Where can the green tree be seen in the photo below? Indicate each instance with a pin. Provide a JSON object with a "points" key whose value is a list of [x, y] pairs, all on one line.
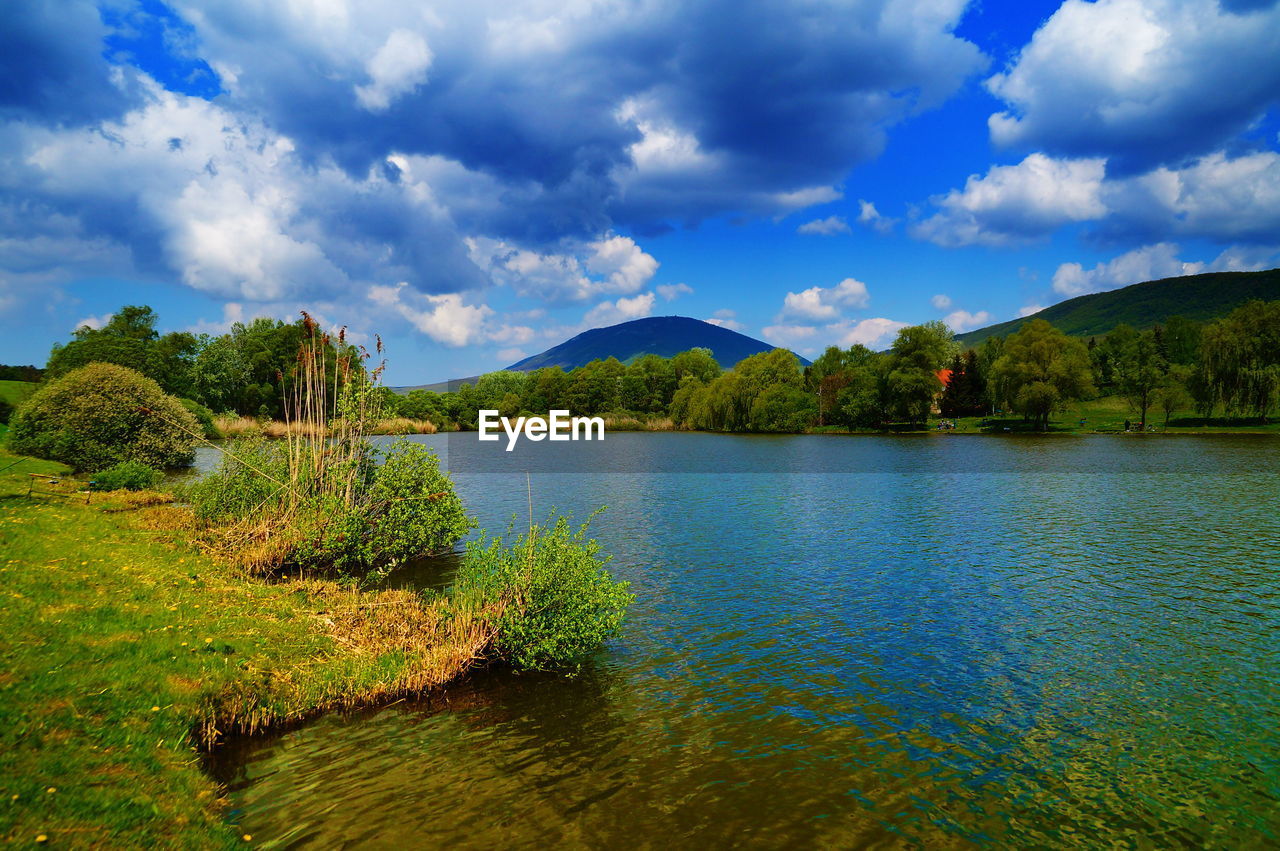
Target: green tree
{"points": [[1139, 371], [96, 416], [697, 362], [918, 354], [1042, 369], [1172, 394], [1240, 361]]}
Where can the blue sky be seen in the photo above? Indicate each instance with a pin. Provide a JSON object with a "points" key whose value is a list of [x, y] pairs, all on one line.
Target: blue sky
{"points": [[476, 182]]}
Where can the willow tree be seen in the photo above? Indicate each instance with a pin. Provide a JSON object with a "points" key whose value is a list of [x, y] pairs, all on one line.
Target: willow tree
{"points": [[1240, 361], [1040, 370]]}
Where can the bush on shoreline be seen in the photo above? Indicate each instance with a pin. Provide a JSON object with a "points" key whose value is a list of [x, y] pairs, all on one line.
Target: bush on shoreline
{"points": [[102, 414], [555, 599]]}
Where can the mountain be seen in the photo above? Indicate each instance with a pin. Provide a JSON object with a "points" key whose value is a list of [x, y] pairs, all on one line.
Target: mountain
{"points": [[1199, 297], [656, 335]]}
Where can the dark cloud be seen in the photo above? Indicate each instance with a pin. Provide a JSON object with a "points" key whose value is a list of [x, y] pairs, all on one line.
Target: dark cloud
{"points": [[51, 65]]}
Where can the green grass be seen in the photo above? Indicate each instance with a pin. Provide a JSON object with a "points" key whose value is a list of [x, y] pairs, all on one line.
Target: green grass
{"points": [[14, 392], [124, 650]]}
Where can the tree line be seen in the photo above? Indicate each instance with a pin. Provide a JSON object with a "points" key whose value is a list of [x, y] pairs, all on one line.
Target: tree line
{"points": [[1230, 367]]}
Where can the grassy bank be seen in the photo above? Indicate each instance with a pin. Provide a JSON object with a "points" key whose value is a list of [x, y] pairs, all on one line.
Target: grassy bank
{"points": [[230, 426], [125, 650]]}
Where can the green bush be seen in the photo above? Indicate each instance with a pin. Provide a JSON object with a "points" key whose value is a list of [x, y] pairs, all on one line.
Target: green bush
{"points": [[204, 417], [6, 411], [101, 414], [400, 509], [556, 599], [126, 476]]}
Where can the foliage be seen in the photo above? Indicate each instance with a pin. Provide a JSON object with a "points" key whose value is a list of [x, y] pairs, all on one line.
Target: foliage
{"points": [[204, 417], [319, 499], [1139, 371], [1040, 370], [130, 339], [557, 602], [102, 414], [28, 373], [1240, 362], [966, 391], [127, 476]]}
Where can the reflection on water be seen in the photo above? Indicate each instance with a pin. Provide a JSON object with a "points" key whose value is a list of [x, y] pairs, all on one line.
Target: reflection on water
{"points": [[942, 656]]}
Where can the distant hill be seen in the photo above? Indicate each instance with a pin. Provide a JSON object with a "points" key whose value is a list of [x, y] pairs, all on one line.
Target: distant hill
{"points": [[657, 335], [1199, 297]]}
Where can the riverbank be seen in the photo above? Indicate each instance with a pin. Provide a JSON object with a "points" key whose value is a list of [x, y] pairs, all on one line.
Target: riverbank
{"points": [[126, 652]]}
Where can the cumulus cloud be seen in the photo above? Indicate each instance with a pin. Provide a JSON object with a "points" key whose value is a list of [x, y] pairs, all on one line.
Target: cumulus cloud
{"points": [[619, 266], [1029, 310], [726, 318], [826, 302], [960, 321], [94, 322], [1217, 197], [622, 310], [445, 318], [1142, 82], [671, 127], [398, 68], [1152, 262], [671, 292], [1016, 203], [941, 301], [875, 333], [868, 215], [830, 226], [789, 336]]}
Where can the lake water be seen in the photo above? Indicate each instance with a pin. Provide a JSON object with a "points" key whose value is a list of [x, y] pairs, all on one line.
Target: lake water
{"points": [[936, 640]]}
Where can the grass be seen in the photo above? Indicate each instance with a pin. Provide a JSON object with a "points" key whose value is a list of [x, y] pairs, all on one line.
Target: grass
{"points": [[233, 426], [125, 652], [14, 392]]}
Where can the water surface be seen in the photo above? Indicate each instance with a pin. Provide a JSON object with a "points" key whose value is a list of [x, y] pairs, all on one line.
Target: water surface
{"points": [[917, 646]]}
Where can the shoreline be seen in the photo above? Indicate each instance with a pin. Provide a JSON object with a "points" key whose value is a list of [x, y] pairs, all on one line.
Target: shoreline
{"points": [[131, 655]]}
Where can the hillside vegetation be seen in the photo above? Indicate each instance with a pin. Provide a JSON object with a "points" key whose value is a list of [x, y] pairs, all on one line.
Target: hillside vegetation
{"points": [[1145, 305]]}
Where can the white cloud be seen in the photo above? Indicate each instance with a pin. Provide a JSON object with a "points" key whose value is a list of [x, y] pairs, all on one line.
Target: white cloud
{"points": [[1143, 81], [444, 318], [941, 301], [620, 266], [671, 292], [399, 67], [960, 321], [868, 215], [94, 322], [874, 333], [826, 303], [1016, 203], [512, 355], [829, 226], [1217, 197], [1153, 262], [622, 310], [788, 336], [1141, 264], [726, 318], [1029, 310]]}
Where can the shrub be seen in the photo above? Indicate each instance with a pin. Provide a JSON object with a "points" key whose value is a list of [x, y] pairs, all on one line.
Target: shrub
{"points": [[101, 414], [403, 508], [6, 411], [126, 476], [204, 417], [557, 601]]}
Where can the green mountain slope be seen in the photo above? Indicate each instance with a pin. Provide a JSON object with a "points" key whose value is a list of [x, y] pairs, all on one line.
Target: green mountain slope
{"points": [[1199, 297]]}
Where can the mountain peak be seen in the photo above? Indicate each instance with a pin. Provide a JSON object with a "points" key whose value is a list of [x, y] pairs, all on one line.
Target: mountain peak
{"points": [[653, 335]]}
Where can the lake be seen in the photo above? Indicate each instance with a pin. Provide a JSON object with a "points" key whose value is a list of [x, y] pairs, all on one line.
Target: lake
{"points": [[846, 641]]}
